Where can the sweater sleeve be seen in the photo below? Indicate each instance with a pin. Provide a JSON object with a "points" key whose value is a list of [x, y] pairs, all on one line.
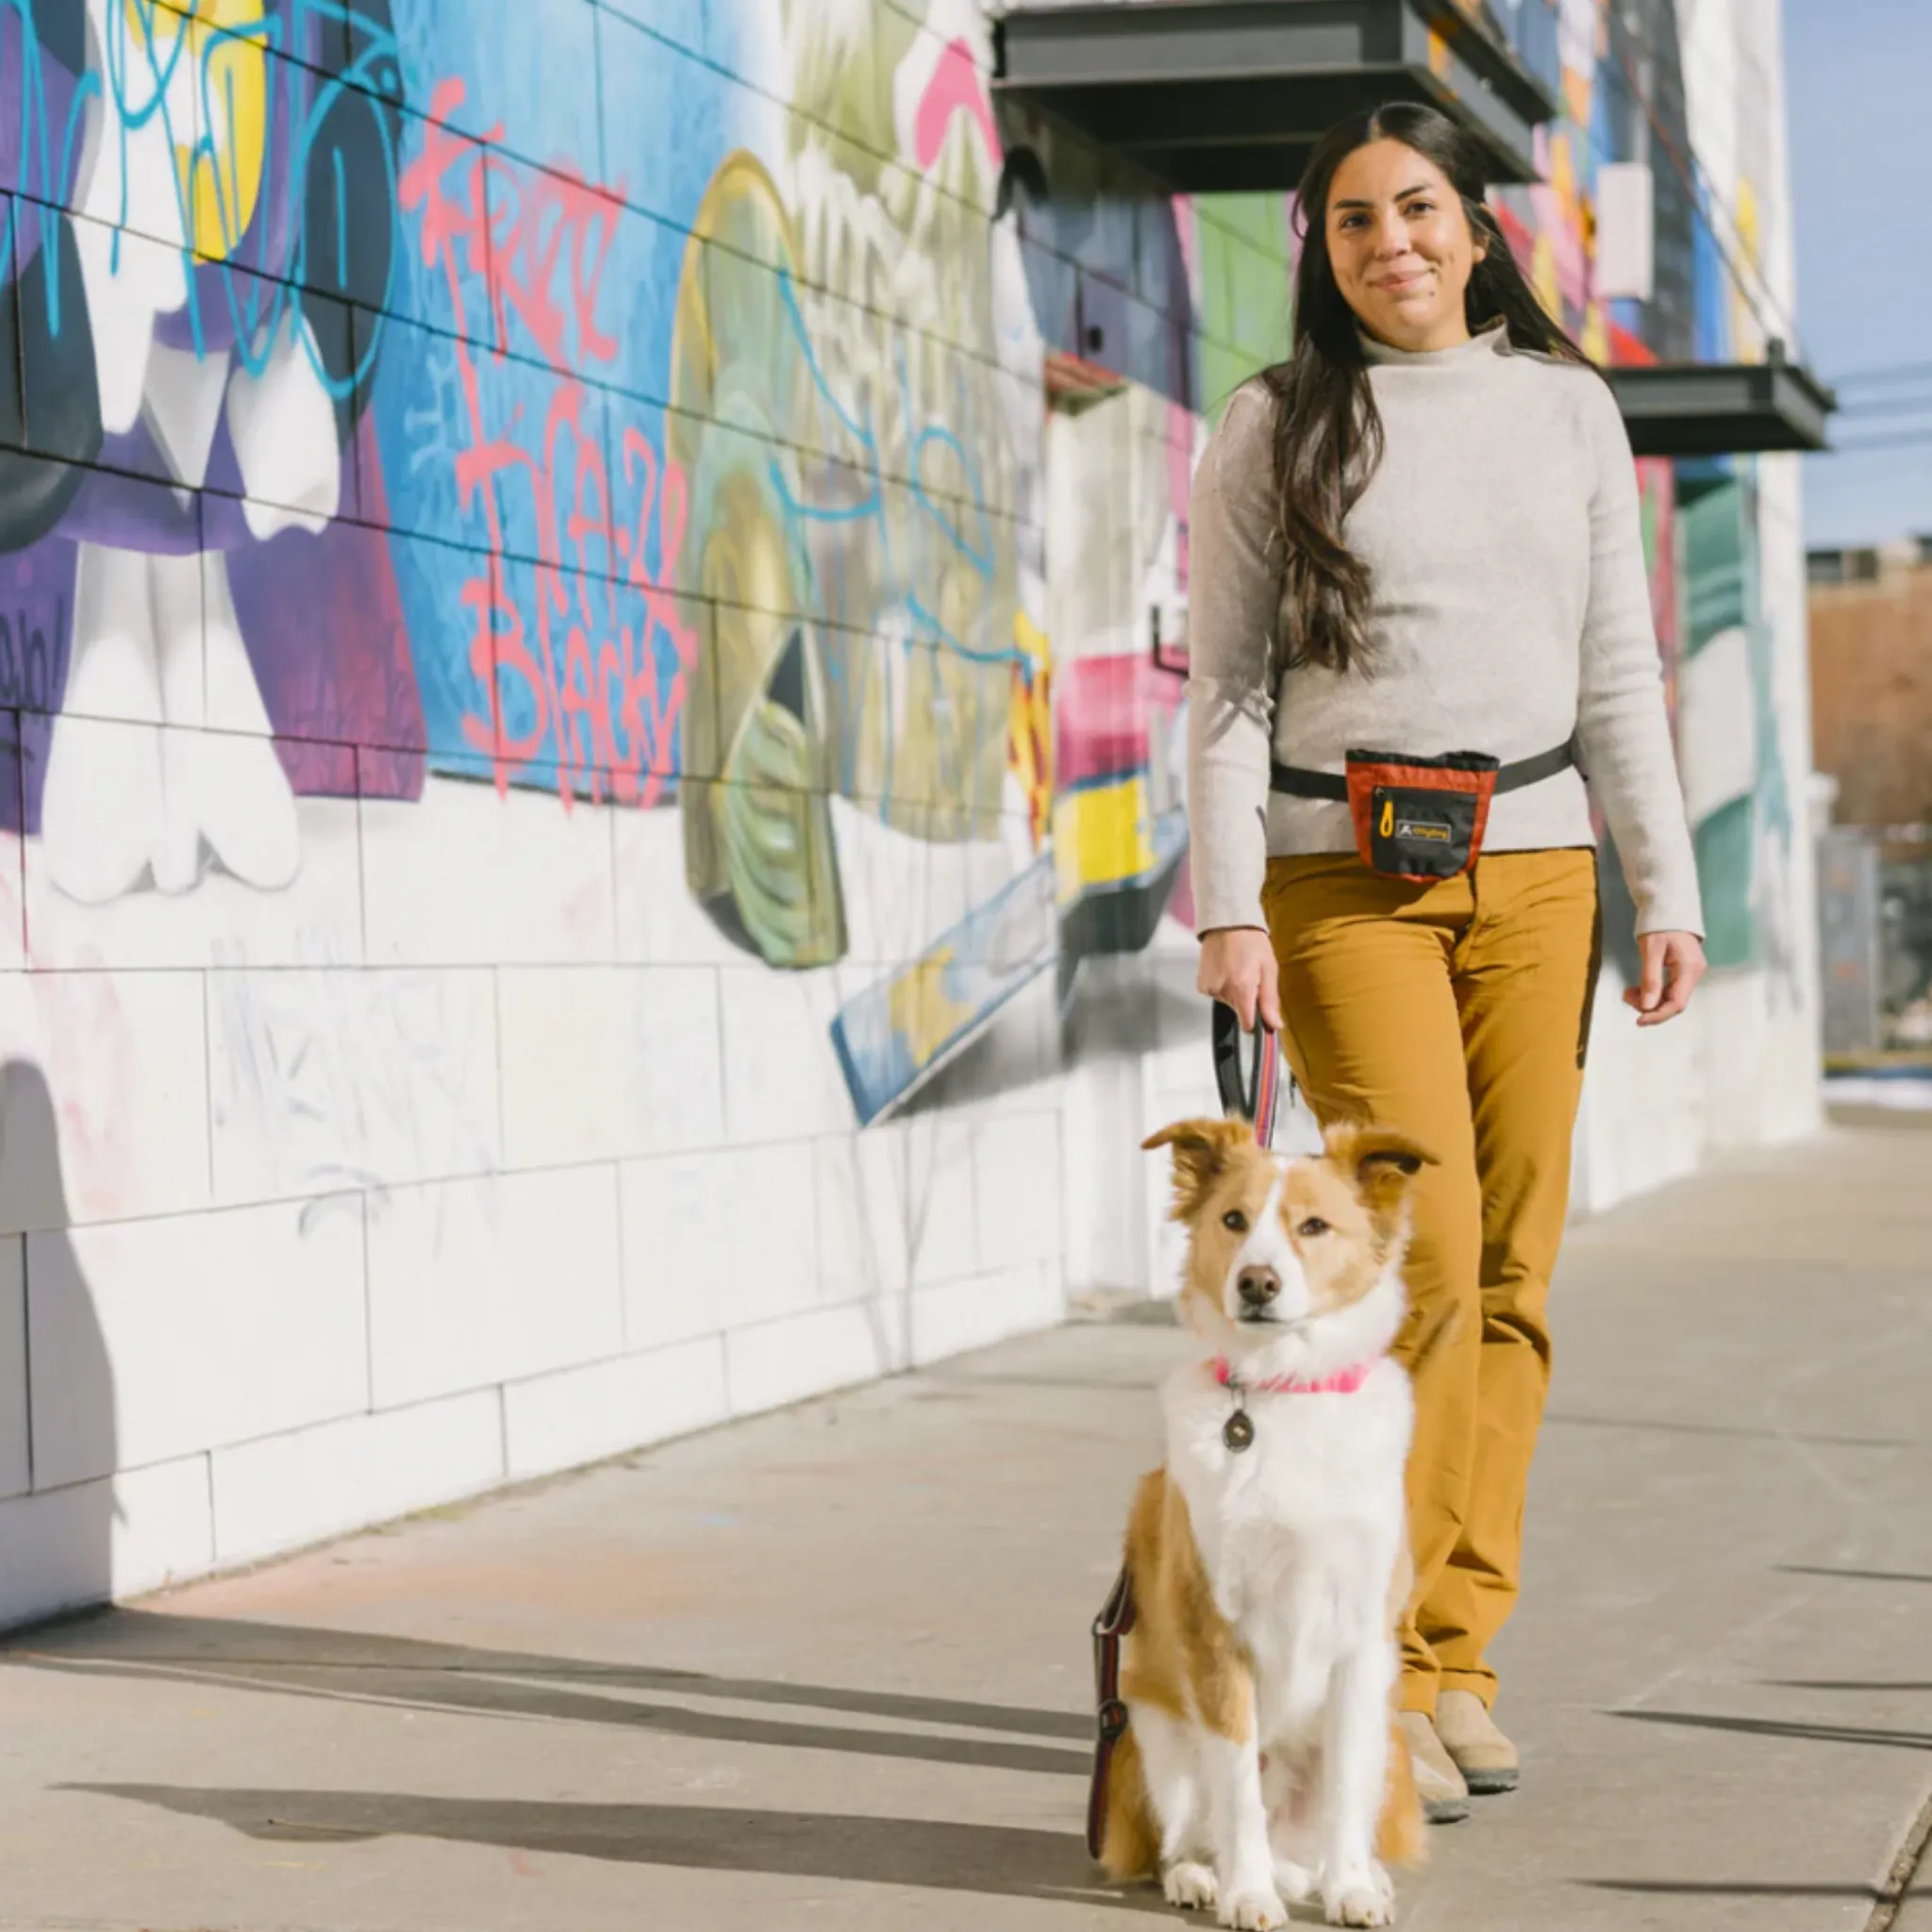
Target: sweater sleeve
{"points": [[1233, 595], [1622, 722]]}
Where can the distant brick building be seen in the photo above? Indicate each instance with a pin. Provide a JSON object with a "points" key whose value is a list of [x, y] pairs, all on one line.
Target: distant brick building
{"points": [[1872, 680]]}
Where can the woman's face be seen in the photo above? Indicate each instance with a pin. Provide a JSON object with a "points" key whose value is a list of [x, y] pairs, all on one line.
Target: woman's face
{"points": [[1401, 246]]}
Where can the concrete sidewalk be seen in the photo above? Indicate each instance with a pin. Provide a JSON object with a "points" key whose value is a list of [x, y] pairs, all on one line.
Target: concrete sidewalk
{"points": [[830, 1667]]}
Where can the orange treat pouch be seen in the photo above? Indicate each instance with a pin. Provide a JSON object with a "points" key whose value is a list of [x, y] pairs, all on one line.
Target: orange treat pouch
{"points": [[1419, 819]]}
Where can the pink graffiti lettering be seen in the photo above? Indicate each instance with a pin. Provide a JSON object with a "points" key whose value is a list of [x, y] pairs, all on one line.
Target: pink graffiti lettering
{"points": [[581, 657]]}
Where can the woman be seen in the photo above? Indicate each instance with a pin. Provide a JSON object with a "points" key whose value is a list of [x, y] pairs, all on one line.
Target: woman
{"points": [[1421, 535]]}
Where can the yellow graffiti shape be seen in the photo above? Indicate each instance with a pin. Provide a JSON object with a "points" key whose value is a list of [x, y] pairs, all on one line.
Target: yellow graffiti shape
{"points": [[922, 1009], [1029, 725], [1102, 835], [1745, 215], [1743, 316], [1595, 337], [1544, 278], [221, 46], [1563, 177]]}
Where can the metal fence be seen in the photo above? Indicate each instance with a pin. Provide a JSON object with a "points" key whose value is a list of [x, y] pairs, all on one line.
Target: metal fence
{"points": [[1874, 917]]}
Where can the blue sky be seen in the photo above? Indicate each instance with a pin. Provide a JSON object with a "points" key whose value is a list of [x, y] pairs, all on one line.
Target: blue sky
{"points": [[1859, 82]]}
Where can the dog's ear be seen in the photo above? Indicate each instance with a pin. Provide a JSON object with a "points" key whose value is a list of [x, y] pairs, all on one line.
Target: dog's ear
{"points": [[1381, 1162], [1202, 1150]]}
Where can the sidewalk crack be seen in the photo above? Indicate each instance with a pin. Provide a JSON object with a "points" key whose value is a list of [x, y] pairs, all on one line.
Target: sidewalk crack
{"points": [[1903, 1869]]}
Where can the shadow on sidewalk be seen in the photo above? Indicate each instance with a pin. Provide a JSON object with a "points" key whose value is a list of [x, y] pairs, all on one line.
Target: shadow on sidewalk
{"points": [[1006, 1861], [1856, 1575], [1781, 1727], [1698, 1888], [396, 1672], [1660, 1426]]}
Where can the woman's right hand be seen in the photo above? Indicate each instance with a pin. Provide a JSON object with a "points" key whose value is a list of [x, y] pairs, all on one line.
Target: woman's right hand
{"points": [[1238, 968]]}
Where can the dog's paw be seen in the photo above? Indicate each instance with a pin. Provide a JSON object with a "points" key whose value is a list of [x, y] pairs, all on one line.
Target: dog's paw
{"points": [[1254, 1911], [1294, 1881], [1363, 1897], [1190, 1885]]}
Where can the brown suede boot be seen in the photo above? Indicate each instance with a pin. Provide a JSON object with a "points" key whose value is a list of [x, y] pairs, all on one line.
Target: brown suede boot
{"points": [[1437, 1783], [1483, 1755]]}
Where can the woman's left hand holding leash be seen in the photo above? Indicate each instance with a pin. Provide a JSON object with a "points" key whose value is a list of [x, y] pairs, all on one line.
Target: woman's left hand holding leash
{"points": [[1673, 964]]}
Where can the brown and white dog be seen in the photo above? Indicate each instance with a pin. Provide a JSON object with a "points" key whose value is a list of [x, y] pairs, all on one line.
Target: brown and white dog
{"points": [[1268, 1558]]}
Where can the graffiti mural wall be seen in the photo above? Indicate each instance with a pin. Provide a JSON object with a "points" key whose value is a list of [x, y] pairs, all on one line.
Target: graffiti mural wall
{"points": [[592, 595]]}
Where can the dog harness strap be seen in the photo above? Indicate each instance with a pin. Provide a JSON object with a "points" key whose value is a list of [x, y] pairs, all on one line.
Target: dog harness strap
{"points": [[1332, 787], [1115, 1620], [1251, 1099]]}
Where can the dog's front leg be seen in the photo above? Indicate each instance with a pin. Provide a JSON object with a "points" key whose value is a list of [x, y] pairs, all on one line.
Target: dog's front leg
{"points": [[1356, 1890], [1231, 1768]]}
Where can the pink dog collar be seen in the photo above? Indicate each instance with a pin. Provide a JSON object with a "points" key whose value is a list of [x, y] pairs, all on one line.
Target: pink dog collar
{"points": [[1342, 1382]]}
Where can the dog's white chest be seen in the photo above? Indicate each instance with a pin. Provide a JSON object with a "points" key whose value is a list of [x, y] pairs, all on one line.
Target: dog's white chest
{"points": [[1299, 1533]]}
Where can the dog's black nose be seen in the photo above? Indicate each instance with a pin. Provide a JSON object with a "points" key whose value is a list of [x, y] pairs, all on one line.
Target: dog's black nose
{"points": [[1258, 1285]]}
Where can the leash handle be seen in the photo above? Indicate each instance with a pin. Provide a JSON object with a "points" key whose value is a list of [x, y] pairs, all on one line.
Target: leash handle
{"points": [[1116, 1618], [1252, 1099]]}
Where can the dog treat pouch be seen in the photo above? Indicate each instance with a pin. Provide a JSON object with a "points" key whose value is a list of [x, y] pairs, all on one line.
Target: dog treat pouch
{"points": [[1420, 818]]}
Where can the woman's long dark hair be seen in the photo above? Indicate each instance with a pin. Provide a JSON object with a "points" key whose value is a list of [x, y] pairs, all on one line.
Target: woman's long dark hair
{"points": [[1328, 433]]}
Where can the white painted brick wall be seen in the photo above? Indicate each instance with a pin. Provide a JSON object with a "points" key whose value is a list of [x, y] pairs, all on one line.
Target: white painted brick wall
{"points": [[76, 1545], [1019, 1218], [465, 877], [477, 1282], [303, 1485], [864, 1213], [656, 926], [12, 872], [718, 1240], [317, 921], [942, 1228], [771, 1363], [601, 1062], [955, 1316], [781, 1074], [577, 1416], [154, 1338], [325, 1080], [124, 1053]]}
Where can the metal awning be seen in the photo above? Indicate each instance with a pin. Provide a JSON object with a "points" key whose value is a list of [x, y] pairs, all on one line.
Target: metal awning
{"points": [[1722, 408], [1229, 96]]}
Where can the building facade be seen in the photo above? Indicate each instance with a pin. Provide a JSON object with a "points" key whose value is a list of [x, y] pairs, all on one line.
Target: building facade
{"points": [[594, 826], [1872, 703], [1871, 622]]}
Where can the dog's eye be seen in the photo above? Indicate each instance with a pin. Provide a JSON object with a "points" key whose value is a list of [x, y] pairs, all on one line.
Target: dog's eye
{"points": [[1235, 1220], [1313, 1225]]}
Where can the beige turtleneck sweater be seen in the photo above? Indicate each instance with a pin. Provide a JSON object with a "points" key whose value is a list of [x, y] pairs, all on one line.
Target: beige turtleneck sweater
{"points": [[1511, 606]]}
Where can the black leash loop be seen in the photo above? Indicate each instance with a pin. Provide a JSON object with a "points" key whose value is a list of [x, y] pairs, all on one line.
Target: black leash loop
{"points": [[1252, 1099]]}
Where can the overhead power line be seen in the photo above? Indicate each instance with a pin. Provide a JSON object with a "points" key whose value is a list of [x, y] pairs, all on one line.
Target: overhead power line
{"points": [[1910, 438], [1896, 372], [1890, 405]]}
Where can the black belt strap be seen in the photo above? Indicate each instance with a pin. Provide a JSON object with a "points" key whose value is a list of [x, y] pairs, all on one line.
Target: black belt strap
{"points": [[1332, 786]]}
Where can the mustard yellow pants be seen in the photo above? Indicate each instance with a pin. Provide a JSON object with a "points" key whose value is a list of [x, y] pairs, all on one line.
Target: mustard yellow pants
{"points": [[1456, 1011]]}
